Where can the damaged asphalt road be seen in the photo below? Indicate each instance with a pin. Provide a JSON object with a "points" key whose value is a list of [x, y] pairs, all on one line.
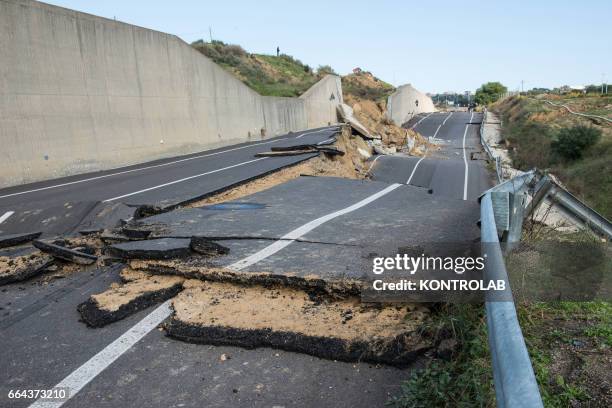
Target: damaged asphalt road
{"points": [[443, 170], [60, 205], [310, 228]]}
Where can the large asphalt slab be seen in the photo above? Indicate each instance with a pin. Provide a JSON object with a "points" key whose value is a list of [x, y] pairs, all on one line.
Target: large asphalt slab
{"points": [[269, 214], [406, 217], [162, 184]]}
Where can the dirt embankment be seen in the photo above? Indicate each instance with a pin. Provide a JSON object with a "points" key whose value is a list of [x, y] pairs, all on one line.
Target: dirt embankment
{"points": [[350, 165], [367, 95]]}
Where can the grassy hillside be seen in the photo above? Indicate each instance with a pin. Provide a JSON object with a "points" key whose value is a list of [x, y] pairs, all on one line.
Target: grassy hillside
{"points": [[535, 130], [267, 74], [364, 85]]}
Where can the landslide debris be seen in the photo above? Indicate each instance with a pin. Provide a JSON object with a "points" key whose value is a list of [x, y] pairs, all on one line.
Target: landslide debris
{"points": [[352, 164], [221, 313], [367, 96]]}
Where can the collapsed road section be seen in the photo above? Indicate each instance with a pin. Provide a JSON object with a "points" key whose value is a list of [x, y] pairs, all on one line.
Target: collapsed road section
{"points": [[274, 263]]}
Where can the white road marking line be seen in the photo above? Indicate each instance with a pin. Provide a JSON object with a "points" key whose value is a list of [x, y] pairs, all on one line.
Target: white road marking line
{"points": [[440, 125], [79, 378], [183, 179], [153, 166], [288, 238], [312, 133], [422, 119], [373, 161], [6, 215], [465, 180], [449, 115], [436, 132], [414, 169]]}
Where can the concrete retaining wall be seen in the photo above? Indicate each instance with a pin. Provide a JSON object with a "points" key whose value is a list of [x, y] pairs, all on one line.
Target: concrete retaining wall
{"points": [[80, 93], [402, 104]]}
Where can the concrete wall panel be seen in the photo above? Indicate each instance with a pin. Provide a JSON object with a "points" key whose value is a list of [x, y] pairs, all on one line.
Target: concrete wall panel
{"points": [[82, 93], [402, 104]]}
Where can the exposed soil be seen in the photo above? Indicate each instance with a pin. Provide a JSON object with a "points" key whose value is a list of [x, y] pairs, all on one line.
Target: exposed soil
{"points": [[198, 268], [352, 165], [15, 269], [578, 360], [282, 317], [367, 95], [120, 294], [122, 300]]}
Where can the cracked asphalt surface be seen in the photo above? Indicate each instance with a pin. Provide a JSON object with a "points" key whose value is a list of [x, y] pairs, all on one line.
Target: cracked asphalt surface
{"points": [[42, 340], [163, 183]]}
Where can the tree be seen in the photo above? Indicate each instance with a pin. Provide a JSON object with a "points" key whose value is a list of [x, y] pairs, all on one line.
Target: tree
{"points": [[489, 93]]}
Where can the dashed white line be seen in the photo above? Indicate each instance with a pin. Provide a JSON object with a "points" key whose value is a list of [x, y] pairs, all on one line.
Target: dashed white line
{"points": [[5, 216], [183, 179], [95, 365], [156, 165], [312, 133], [414, 170], [422, 119], [79, 378], [373, 161], [440, 125], [449, 115], [465, 180]]}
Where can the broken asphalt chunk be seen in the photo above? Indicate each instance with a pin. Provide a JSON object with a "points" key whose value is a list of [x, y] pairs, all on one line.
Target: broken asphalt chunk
{"points": [[161, 248], [124, 300], [15, 269], [204, 246], [67, 254], [17, 239]]}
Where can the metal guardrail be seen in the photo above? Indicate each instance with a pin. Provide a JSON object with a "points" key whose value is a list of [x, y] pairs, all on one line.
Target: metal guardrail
{"points": [[515, 382], [502, 212], [496, 159], [572, 206]]}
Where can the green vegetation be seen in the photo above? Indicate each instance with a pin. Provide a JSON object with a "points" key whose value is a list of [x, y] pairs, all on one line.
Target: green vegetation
{"points": [[489, 93], [364, 85], [571, 143], [576, 149], [569, 344], [463, 380], [270, 75]]}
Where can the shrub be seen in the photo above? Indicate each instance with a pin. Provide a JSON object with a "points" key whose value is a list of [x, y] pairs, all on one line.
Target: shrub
{"points": [[571, 143], [325, 70], [530, 144]]}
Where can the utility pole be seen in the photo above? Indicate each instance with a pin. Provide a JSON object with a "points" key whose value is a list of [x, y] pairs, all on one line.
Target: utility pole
{"points": [[210, 33], [522, 86]]}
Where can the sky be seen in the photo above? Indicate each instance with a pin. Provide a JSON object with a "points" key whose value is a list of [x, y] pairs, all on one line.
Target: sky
{"points": [[436, 46]]}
